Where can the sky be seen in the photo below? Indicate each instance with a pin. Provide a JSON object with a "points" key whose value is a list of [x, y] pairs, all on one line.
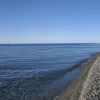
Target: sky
{"points": [[49, 21]]}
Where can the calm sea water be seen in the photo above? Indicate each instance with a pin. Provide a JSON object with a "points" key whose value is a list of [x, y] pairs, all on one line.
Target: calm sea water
{"points": [[47, 64]]}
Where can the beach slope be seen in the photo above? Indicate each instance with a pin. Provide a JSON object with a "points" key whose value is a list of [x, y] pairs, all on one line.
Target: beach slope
{"points": [[87, 86]]}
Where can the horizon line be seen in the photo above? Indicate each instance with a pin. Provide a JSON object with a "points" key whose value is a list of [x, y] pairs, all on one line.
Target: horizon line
{"points": [[53, 43]]}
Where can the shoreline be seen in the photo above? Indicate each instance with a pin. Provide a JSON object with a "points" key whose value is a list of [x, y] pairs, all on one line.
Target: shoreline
{"points": [[73, 91], [25, 87]]}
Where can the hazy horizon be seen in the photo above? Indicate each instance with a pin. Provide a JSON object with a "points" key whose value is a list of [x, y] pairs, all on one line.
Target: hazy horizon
{"points": [[44, 43]]}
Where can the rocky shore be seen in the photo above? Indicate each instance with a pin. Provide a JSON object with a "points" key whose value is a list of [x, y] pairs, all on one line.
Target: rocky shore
{"points": [[87, 86], [91, 87]]}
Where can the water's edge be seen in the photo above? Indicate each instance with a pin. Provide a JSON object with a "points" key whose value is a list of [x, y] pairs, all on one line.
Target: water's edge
{"points": [[23, 88], [72, 92]]}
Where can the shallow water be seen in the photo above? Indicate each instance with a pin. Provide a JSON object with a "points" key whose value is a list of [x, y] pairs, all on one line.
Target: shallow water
{"points": [[40, 71]]}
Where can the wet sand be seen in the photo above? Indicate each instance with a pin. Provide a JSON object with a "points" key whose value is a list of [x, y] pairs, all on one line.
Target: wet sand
{"points": [[80, 88]]}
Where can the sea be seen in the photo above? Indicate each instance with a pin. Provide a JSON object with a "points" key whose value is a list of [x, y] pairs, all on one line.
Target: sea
{"points": [[40, 71]]}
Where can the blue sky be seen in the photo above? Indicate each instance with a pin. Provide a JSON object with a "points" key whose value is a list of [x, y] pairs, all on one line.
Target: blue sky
{"points": [[49, 21]]}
